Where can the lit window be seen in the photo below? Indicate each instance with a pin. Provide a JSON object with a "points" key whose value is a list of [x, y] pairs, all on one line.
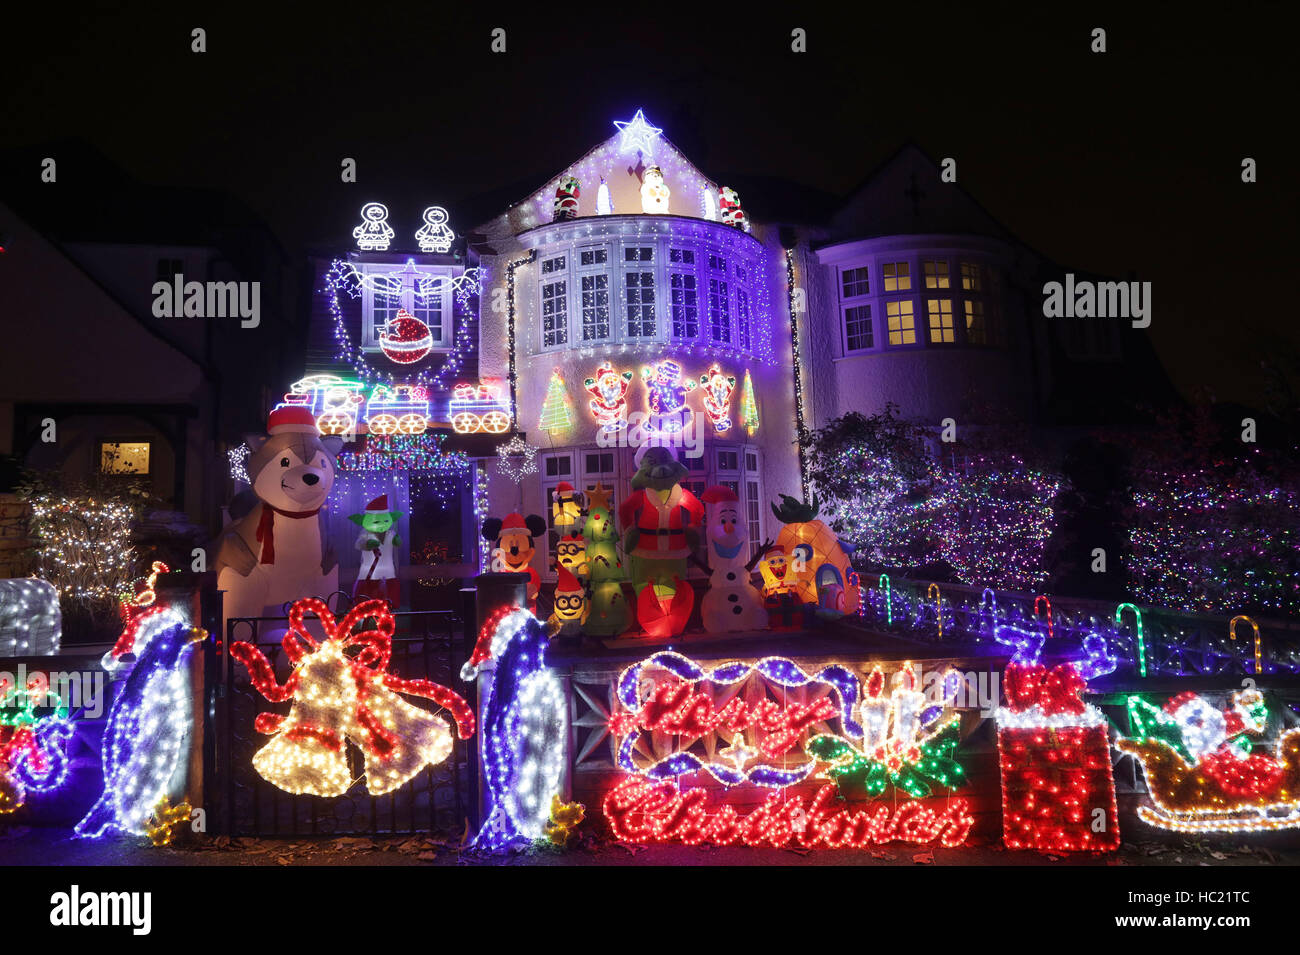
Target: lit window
{"points": [[858, 333], [390, 288], [124, 457], [976, 329], [898, 276], [595, 307], [640, 288], [902, 323], [970, 277], [855, 282], [555, 314], [941, 329], [936, 274], [684, 301]]}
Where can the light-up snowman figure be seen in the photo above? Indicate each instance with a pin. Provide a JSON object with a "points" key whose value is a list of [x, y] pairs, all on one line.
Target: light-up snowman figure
{"points": [[654, 192]]}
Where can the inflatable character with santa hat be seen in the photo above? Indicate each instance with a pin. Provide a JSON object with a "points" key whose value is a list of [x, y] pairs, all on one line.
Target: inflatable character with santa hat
{"points": [[377, 576], [514, 547], [571, 607], [732, 602], [277, 550]]}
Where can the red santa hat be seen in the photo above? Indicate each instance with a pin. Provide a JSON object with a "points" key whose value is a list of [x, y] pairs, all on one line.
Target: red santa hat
{"points": [[565, 582], [564, 487], [514, 522], [718, 494], [291, 419], [378, 506]]}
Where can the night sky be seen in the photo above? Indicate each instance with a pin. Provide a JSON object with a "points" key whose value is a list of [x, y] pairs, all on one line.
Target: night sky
{"points": [[1127, 161]]}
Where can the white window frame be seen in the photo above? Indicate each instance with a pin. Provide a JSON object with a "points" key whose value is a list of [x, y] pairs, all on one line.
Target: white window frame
{"points": [[369, 333], [577, 317]]}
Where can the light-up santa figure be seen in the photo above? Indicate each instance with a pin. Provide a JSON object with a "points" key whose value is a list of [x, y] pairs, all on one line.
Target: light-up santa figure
{"points": [[654, 192]]}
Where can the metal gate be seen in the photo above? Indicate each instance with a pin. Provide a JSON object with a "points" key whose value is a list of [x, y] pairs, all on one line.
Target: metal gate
{"points": [[440, 799]]}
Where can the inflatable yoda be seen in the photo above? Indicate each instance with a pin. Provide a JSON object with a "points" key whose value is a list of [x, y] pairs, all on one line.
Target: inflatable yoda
{"points": [[377, 575]]}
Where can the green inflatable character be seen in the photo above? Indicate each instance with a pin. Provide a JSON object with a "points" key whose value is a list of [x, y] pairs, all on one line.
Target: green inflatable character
{"points": [[662, 521], [610, 611]]}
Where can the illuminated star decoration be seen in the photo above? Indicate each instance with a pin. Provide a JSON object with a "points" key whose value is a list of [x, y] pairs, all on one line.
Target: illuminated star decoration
{"points": [[738, 753], [516, 459], [637, 134], [238, 456], [165, 819]]}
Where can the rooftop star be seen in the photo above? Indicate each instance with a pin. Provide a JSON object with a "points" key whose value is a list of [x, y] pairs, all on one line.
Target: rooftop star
{"points": [[637, 133]]}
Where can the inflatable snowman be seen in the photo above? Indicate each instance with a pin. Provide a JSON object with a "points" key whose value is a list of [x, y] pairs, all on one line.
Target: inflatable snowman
{"points": [[732, 603]]}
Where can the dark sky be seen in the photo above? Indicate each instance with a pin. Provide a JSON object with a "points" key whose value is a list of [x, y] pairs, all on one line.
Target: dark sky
{"points": [[1111, 163]]}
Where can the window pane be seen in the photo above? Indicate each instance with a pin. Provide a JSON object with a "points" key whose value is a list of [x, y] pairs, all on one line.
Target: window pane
{"points": [[640, 304], [897, 276], [555, 314], [684, 302], [856, 282], [742, 317], [553, 265], [595, 307], [681, 256], [970, 276], [941, 328], [593, 257], [936, 274], [902, 323], [719, 311], [858, 334], [976, 329]]}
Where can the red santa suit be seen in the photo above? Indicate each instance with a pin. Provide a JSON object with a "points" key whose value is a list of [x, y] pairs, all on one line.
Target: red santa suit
{"points": [[662, 522]]}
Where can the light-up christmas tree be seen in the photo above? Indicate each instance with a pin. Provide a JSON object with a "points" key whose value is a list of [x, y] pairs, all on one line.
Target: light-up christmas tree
{"points": [[557, 408]]}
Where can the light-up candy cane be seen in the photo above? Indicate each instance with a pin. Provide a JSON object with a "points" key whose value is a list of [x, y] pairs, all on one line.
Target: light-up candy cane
{"points": [[989, 599], [938, 606], [1050, 630], [1137, 630], [889, 610], [1232, 632]]}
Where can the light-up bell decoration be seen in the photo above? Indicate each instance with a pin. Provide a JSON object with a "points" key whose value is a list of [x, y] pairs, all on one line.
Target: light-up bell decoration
{"points": [[340, 697]]}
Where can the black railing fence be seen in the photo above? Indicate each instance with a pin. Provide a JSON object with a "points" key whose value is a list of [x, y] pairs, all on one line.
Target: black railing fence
{"points": [[439, 800]]}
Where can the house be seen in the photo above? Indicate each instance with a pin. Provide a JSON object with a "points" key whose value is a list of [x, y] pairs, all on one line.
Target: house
{"points": [[632, 297]]}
